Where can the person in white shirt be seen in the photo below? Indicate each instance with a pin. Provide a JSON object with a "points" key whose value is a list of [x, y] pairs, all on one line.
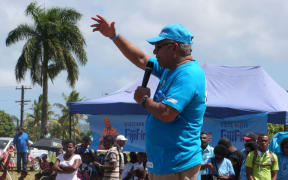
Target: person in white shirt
{"points": [[67, 164], [120, 143]]}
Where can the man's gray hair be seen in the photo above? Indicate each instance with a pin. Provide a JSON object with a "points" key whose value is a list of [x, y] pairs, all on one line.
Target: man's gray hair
{"points": [[185, 49]]}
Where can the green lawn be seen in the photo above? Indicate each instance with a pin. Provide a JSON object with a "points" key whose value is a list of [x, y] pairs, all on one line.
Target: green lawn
{"points": [[15, 175]]}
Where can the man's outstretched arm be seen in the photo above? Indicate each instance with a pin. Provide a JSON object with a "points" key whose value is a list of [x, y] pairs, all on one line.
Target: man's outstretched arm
{"points": [[129, 50]]}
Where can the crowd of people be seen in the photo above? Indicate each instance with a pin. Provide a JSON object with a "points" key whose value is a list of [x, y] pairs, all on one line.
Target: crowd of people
{"points": [[81, 162], [254, 162], [224, 161]]}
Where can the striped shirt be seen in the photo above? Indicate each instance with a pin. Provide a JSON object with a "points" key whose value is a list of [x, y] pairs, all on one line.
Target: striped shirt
{"points": [[112, 156]]}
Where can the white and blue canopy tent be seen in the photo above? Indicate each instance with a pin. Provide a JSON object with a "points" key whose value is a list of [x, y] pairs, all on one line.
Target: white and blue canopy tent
{"points": [[237, 98]]}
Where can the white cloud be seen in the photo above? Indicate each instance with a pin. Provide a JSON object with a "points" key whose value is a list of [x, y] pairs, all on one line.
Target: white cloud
{"points": [[7, 78]]}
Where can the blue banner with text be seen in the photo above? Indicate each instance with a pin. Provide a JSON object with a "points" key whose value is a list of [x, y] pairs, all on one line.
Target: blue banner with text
{"points": [[235, 128]]}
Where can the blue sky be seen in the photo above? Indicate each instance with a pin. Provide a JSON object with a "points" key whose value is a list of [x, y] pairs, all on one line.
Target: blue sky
{"points": [[231, 33]]}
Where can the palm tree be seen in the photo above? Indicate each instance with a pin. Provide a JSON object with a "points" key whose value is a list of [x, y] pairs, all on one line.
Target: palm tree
{"points": [[33, 121], [54, 43], [64, 117]]}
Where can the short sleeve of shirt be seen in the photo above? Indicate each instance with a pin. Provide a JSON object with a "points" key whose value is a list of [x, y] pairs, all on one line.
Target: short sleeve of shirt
{"points": [[275, 166], [249, 160], [157, 70], [77, 156], [112, 157], [180, 92], [230, 168], [60, 157]]}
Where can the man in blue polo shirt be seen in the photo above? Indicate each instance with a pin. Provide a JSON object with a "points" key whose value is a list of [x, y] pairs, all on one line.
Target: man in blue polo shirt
{"points": [[176, 111], [22, 147]]}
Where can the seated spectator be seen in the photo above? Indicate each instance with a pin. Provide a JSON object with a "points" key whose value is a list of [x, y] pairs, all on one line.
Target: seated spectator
{"points": [[262, 164], [283, 160], [139, 164], [249, 147], [219, 166], [129, 167], [44, 166], [234, 155]]}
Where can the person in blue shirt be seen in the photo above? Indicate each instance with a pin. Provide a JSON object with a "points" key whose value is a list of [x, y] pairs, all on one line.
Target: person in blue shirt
{"points": [[283, 160], [22, 147], [207, 152], [220, 166], [176, 110]]}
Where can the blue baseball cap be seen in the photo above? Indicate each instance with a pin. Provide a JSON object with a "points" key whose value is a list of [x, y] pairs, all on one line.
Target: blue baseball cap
{"points": [[175, 32]]}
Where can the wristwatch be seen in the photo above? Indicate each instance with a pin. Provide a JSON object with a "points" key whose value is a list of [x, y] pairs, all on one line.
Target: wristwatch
{"points": [[143, 100]]}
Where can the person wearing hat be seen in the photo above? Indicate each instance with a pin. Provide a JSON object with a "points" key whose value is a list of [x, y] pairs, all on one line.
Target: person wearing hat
{"points": [[121, 140], [22, 147], [120, 143], [176, 111], [249, 137]]}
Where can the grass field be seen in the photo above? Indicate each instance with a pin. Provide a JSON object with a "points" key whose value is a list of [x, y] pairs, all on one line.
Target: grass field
{"points": [[15, 175]]}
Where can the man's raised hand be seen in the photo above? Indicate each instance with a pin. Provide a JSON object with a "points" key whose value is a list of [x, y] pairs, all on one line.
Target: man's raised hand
{"points": [[103, 26]]}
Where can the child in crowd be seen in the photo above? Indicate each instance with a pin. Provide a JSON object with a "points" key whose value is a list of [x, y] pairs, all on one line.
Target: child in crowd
{"points": [[45, 167], [86, 168], [220, 166], [58, 152]]}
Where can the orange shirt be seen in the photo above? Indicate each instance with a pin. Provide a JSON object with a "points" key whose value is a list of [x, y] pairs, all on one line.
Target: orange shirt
{"points": [[107, 131]]}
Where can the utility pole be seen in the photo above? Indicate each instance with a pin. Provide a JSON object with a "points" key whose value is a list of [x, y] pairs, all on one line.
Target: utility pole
{"points": [[22, 101]]}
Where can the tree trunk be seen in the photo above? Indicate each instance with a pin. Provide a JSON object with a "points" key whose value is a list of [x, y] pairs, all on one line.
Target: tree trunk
{"points": [[45, 97]]}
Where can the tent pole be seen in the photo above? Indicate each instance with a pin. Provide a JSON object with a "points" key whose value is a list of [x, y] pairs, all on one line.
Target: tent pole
{"points": [[70, 133]]}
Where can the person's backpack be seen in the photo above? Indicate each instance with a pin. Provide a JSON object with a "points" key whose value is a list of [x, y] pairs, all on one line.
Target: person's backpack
{"points": [[272, 160]]}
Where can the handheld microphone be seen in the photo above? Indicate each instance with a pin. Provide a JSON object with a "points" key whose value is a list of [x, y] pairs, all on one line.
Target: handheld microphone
{"points": [[148, 71]]}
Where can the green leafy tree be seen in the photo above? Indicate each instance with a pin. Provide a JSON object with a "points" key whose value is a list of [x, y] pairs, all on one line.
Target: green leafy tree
{"points": [[7, 127], [33, 120], [64, 117], [54, 43], [274, 128]]}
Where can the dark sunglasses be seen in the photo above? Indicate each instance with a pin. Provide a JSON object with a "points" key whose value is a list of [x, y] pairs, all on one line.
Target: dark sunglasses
{"points": [[159, 46]]}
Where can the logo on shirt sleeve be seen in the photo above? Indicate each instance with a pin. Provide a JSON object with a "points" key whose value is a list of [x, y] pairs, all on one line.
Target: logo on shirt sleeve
{"points": [[174, 101]]}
